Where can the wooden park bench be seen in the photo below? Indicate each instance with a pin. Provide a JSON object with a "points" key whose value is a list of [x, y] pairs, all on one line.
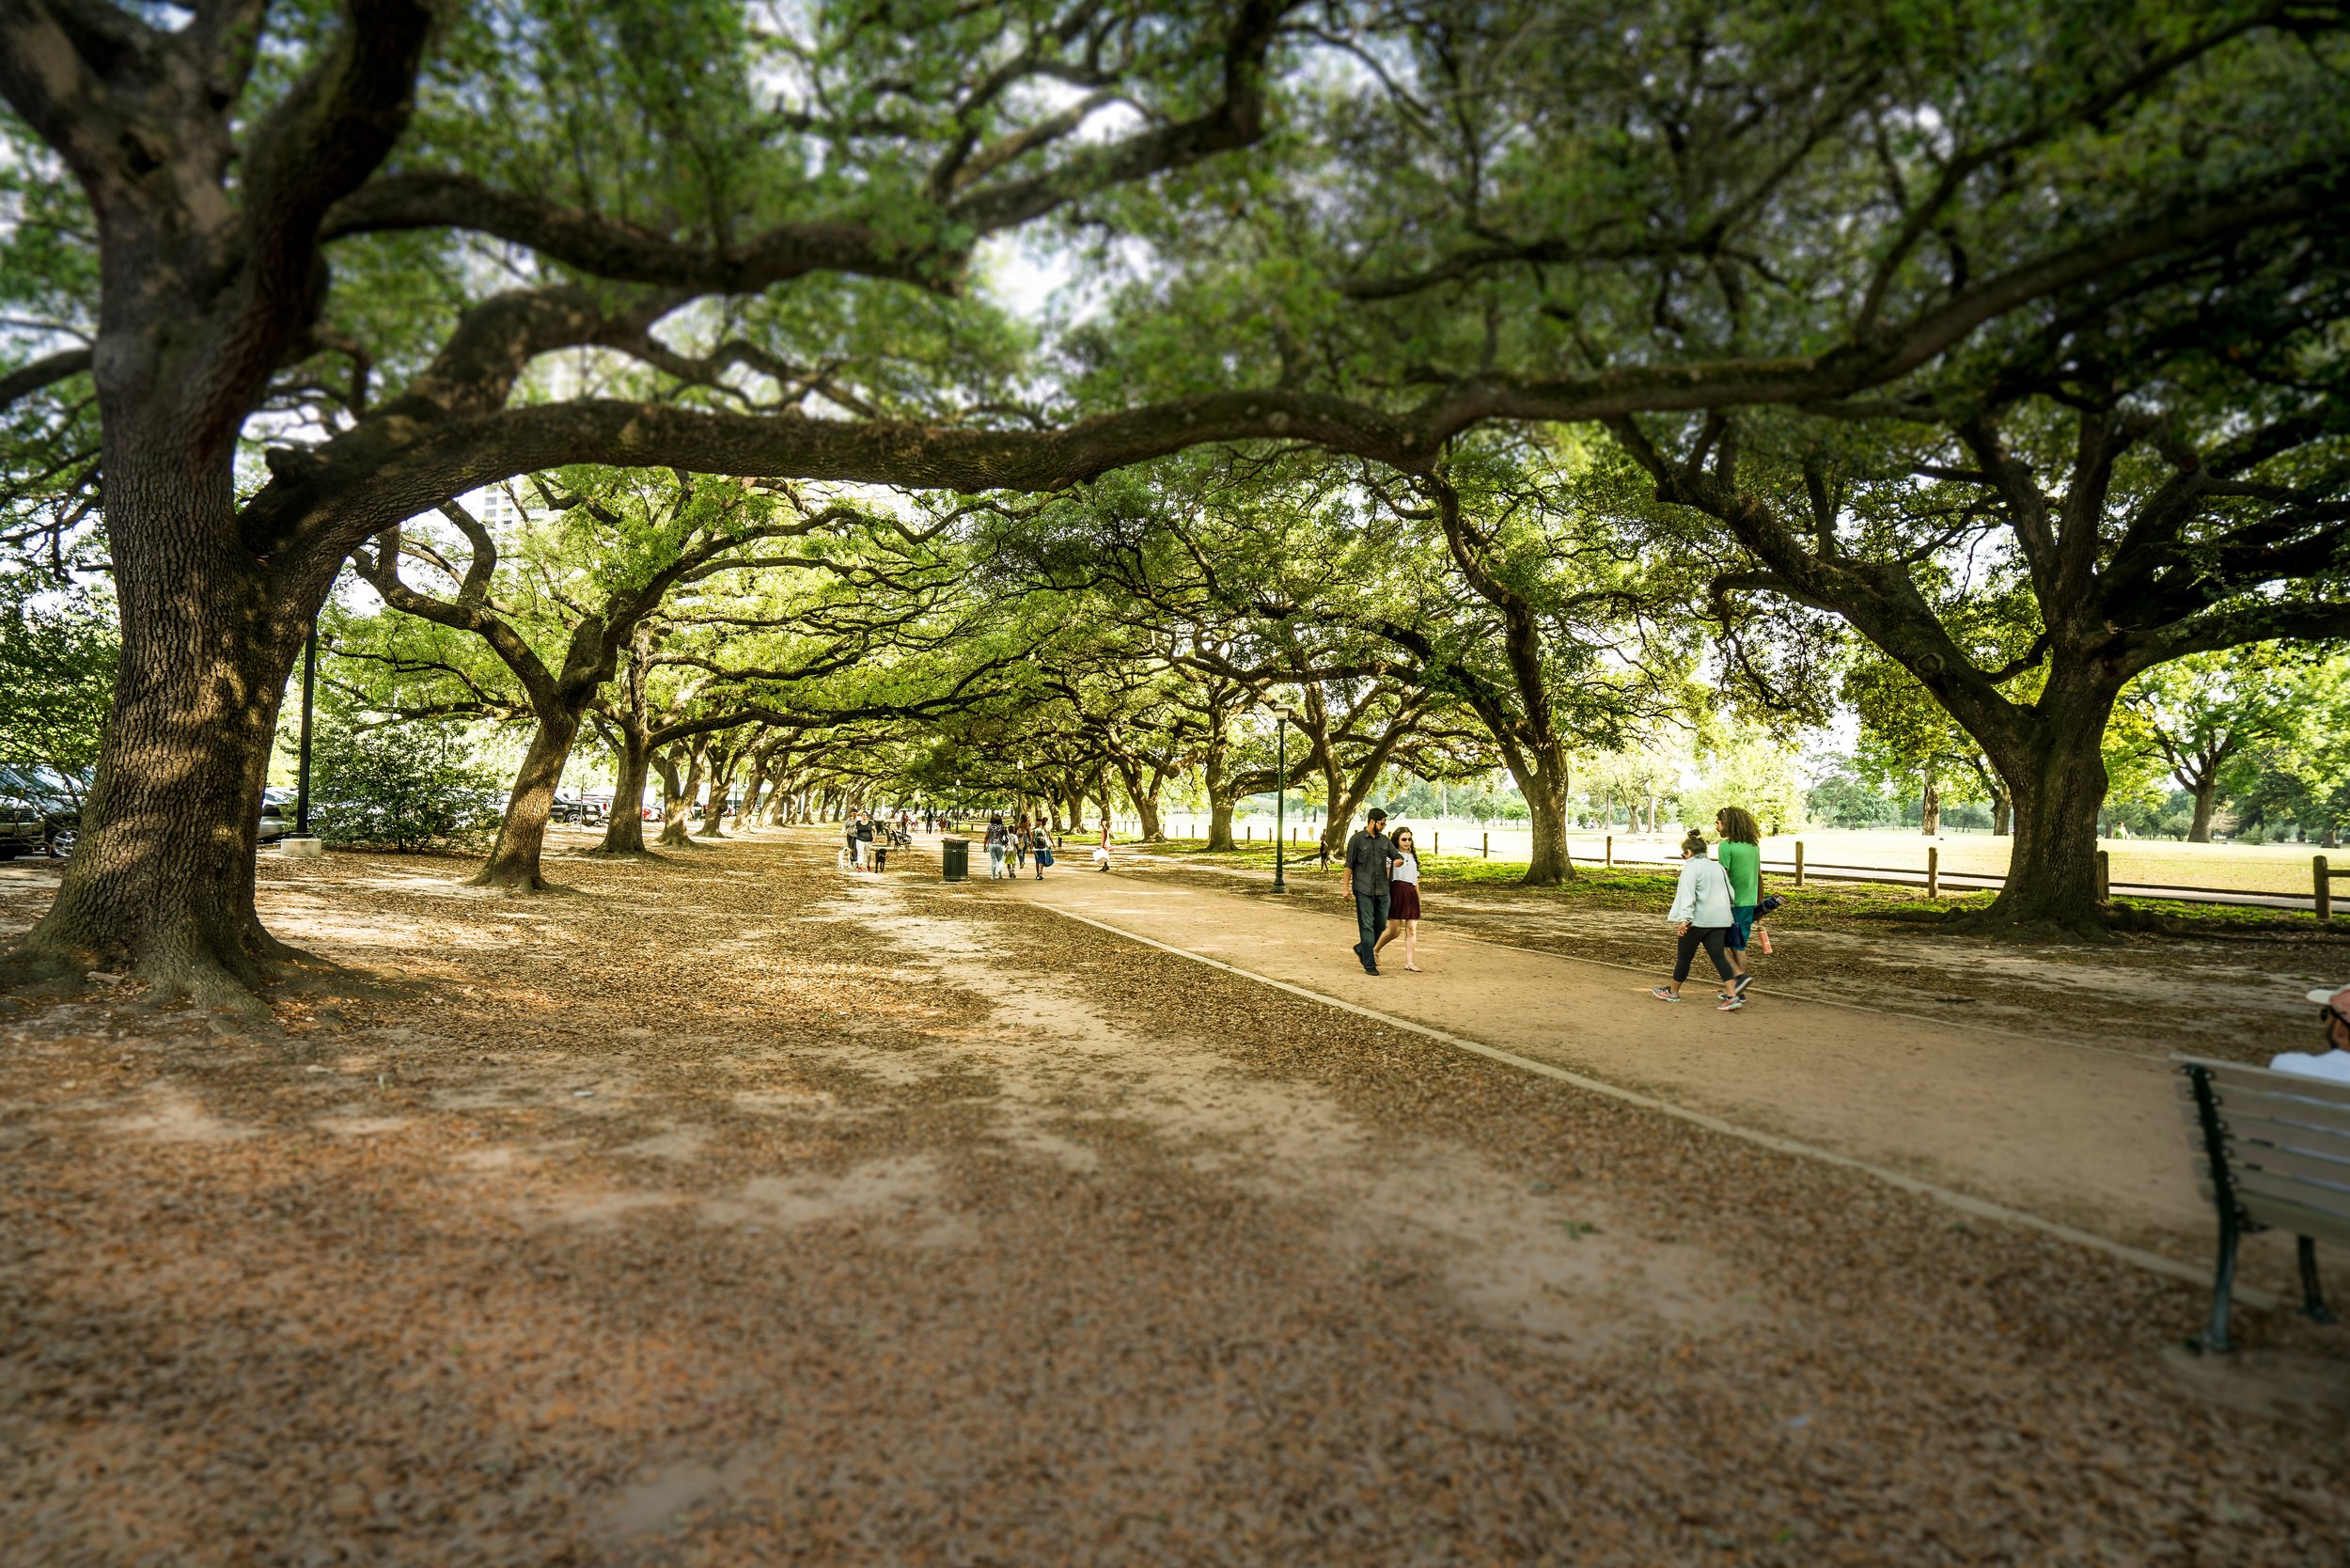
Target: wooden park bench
{"points": [[2273, 1153]]}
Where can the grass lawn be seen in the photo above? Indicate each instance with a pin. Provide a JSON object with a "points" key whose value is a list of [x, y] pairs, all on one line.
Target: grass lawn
{"points": [[1651, 888], [2245, 868]]}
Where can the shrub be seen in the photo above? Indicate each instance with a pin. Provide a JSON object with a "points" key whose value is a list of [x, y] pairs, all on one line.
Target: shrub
{"points": [[404, 788]]}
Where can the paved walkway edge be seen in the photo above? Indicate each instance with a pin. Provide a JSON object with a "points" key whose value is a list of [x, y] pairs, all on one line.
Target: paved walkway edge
{"points": [[1966, 1204]]}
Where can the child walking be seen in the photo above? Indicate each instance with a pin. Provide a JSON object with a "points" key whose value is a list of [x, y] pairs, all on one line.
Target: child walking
{"points": [[1701, 917]]}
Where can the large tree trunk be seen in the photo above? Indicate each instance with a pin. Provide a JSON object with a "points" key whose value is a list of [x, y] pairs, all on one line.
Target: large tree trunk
{"points": [[522, 835], [162, 879], [677, 807], [1147, 808], [2057, 772], [1549, 864], [757, 797], [1930, 806], [624, 830], [2206, 792], [2002, 813], [1219, 820], [721, 784], [1218, 783]]}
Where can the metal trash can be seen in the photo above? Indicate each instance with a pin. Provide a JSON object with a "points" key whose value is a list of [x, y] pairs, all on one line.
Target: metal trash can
{"points": [[955, 855]]}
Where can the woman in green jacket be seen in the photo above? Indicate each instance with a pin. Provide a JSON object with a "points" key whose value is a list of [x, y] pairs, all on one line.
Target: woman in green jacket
{"points": [[1741, 858]]}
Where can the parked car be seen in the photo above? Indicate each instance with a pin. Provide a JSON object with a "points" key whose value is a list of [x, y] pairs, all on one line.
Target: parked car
{"points": [[276, 825], [60, 831], [23, 829]]}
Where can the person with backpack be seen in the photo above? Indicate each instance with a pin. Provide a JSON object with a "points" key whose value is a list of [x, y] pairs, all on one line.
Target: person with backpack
{"points": [[1041, 841], [1741, 860], [1700, 913]]}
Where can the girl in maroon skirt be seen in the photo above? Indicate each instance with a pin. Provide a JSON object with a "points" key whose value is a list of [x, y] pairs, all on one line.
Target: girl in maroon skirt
{"points": [[1403, 900]]}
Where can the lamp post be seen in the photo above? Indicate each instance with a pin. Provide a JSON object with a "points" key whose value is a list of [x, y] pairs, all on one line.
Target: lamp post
{"points": [[1283, 714], [301, 776]]}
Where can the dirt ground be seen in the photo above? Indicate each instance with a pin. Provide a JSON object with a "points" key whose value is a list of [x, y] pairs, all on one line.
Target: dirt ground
{"points": [[728, 1207]]}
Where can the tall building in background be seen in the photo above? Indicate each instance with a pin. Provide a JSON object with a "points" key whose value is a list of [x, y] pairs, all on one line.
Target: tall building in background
{"points": [[497, 509]]}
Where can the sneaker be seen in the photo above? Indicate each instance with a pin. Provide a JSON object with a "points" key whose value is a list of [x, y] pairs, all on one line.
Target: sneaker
{"points": [[1731, 1006], [1662, 994], [1738, 986]]}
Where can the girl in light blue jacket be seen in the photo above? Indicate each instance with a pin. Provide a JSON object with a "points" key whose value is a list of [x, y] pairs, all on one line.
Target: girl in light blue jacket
{"points": [[1701, 917]]}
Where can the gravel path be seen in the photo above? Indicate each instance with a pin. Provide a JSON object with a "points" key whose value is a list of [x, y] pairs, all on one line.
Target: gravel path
{"points": [[2086, 1134], [731, 1209]]}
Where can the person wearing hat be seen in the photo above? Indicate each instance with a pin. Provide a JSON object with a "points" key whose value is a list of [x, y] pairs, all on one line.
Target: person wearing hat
{"points": [[1371, 858], [2334, 1061]]}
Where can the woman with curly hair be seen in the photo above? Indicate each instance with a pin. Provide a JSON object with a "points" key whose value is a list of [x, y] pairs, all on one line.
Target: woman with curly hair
{"points": [[1741, 858]]}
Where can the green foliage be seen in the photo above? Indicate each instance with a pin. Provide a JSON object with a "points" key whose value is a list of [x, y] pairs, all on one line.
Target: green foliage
{"points": [[404, 788], [57, 652], [1842, 800], [2300, 771], [1751, 771]]}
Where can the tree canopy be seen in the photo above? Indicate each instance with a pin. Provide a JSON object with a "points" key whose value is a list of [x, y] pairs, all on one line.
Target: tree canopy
{"points": [[1603, 318]]}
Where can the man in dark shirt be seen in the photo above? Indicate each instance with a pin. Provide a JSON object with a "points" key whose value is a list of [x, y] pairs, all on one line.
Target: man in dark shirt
{"points": [[1371, 858]]}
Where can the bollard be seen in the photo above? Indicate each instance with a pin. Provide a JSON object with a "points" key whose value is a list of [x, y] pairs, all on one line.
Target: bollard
{"points": [[1486, 848], [1934, 872], [1799, 862], [1611, 852], [2104, 878], [1435, 844], [1248, 833], [2324, 890]]}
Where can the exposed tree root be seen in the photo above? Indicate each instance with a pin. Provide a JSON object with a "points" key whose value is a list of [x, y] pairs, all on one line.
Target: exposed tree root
{"points": [[187, 965], [2101, 927], [37, 972], [517, 881]]}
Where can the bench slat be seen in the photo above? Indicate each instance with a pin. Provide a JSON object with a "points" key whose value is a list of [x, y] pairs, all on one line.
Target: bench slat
{"points": [[2261, 1080], [2246, 1127], [2251, 1184], [2269, 1106], [2289, 1162], [2283, 1107], [2280, 1214]]}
